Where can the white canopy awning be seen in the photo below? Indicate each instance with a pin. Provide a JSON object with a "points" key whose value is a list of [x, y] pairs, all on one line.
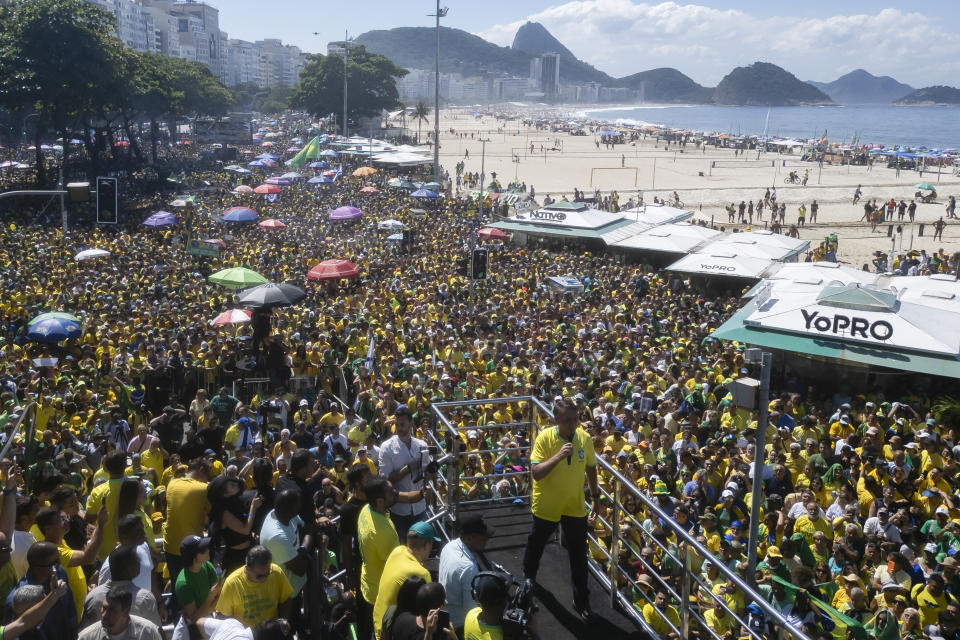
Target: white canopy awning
{"points": [[813, 276], [722, 264], [678, 237], [759, 244]]}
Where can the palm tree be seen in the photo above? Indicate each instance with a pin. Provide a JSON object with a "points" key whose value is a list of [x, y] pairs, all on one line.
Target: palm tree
{"points": [[420, 114]]}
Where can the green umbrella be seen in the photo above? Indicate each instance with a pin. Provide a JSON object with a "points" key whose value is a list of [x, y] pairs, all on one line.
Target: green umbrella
{"points": [[62, 315], [433, 186], [925, 186], [237, 278]]}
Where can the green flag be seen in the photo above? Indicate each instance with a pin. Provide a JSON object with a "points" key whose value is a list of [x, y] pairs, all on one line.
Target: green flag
{"points": [[310, 151]]}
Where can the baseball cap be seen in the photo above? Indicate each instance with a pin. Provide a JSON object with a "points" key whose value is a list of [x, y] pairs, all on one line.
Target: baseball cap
{"points": [[304, 403], [726, 494], [423, 530], [930, 547], [488, 588], [472, 433], [192, 546], [890, 586], [774, 552], [210, 452], [942, 509], [476, 524]]}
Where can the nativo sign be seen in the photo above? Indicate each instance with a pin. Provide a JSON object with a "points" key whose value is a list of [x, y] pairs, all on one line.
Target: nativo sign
{"points": [[549, 216]]}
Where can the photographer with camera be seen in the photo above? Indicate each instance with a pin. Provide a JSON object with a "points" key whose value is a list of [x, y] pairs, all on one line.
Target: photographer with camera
{"points": [[402, 462], [562, 457], [499, 615]]}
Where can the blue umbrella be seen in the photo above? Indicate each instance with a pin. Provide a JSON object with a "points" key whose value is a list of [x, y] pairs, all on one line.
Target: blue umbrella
{"points": [[320, 180], [267, 156], [318, 165], [240, 214], [261, 163], [160, 219], [329, 153], [424, 193], [53, 330], [608, 133]]}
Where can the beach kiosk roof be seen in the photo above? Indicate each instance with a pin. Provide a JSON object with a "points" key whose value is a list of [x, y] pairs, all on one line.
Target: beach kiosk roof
{"points": [[566, 219], [760, 244], [676, 237], [719, 263], [809, 276], [852, 324]]}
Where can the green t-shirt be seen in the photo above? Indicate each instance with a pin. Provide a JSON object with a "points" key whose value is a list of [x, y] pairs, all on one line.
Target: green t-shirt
{"points": [[195, 587]]}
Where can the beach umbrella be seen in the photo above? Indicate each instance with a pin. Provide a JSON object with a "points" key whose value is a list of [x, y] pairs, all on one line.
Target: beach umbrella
{"points": [[293, 149], [320, 180], [267, 156], [266, 144], [90, 254], [345, 213], [265, 189], [161, 219], [239, 214], [53, 330], [425, 193], [433, 186], [278, 180], [329, 153], [242, 170], [58, 315], [122, 143], [395, 237], [318, 165], [262, 163], [8, 164], [363, 172], [271, 223], [391, 225], [243, 188], [237, 278], [272, 295], [233, 316], [397, 183], [925, 186], [291, 175], [369, 189], [333, 270], [489, 233]]}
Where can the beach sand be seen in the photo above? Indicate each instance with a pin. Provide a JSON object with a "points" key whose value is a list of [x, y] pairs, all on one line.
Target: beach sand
{"points": [[653, 169]]}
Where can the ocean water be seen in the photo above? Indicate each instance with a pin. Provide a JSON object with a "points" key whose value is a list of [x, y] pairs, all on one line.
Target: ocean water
{"points": [[931, 127]]}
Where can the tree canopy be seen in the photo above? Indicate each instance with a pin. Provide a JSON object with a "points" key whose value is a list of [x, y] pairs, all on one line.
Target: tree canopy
{"points": [[371, 78]]}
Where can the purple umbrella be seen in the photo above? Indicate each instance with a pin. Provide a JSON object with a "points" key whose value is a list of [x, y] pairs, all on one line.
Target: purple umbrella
{"points": [[280, 181], [345, 213], [161, 219]]}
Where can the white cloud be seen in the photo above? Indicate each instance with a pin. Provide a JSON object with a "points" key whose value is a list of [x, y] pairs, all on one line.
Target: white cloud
{"points": [[623, 37]]}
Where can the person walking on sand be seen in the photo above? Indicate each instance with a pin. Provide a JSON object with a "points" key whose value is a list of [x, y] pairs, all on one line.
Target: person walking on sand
{"points": [[938, 228], [814, 208], [857, 194], [802, 215]]}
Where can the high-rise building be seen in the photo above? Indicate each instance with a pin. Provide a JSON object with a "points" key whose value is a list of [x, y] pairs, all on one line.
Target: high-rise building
{"points": [[134, 27], [545, 74], [280, 64]]}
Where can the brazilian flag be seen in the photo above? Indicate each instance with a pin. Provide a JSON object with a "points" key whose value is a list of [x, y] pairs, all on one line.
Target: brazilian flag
{"points": [[310, 151], [841, 623]]}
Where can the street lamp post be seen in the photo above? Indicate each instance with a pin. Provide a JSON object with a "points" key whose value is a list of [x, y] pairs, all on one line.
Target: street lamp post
{"points": [[346, 54], [441, 13]]}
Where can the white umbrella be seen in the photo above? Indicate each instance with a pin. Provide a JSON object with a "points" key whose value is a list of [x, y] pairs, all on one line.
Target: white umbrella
{"points": [[291, 175], [89, 254], [391, 225]]}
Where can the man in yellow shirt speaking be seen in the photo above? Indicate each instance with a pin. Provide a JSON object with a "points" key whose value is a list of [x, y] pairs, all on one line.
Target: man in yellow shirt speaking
{"points": [[562, 457]]}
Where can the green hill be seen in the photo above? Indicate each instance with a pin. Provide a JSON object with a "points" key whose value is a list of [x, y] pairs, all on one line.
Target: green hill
{"points": [[466, 54], [767, 84], [935, 95], [667, 85]]}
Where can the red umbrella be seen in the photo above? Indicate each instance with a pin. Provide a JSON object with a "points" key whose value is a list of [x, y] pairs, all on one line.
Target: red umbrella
{"points": [[271, 224], [267, 188], [490, 233], [233, 316], [333, 269]]}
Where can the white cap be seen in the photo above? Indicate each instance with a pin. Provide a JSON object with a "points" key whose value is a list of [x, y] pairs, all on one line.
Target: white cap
{"points": [[726, 494], [472, 433]]}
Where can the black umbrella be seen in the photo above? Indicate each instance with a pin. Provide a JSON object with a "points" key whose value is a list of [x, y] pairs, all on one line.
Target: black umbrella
{"points": [[271, 295]]}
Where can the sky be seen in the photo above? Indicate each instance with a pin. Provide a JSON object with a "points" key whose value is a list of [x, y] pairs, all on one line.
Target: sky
{"points": [[915, 42]]}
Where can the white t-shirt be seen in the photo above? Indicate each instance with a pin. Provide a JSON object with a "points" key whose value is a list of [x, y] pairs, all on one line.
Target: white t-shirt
{"points": [[18, 551], [226, 629], [144, 579], [283, 540]]}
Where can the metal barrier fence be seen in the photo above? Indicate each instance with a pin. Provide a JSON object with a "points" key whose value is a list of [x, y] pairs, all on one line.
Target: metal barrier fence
{"points": [[447, 437], [682, 583]]}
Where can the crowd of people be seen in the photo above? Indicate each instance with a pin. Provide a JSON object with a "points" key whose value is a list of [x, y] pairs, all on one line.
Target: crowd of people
{"points": [[169, 485]]}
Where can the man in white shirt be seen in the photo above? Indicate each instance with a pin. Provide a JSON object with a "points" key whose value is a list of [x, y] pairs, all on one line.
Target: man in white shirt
{"points": [[459, 564], [280, 534], [335, 437], [402, 458]]}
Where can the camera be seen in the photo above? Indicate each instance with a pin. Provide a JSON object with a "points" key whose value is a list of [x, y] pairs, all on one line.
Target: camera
{"points": [[518, 616]]}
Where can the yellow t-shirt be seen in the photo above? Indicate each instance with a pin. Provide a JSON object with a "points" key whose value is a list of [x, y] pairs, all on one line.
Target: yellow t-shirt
{"points": [[720, 625], [106, 495], [75, 578], [252, 603], [400, 565], [152, 460], [187, 507], [657, 619], [561, 492], [378, 537], [928, 605], [473, 629]]}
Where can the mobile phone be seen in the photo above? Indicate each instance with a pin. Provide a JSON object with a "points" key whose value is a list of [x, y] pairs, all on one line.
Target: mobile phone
{"points": [[443, 619]]}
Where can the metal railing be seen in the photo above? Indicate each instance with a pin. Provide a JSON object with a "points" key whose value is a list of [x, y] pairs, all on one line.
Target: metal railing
{"points": [[448, 490], [619, 582]]}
